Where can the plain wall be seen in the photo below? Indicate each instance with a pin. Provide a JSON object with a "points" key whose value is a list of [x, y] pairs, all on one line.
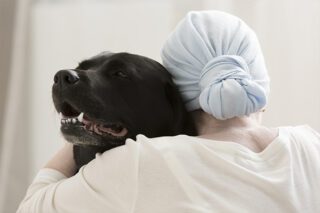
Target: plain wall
{"points": [[7, 13]]}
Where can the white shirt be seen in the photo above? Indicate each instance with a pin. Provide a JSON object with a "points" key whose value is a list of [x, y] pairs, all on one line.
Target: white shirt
{"points": [[184, 174]]}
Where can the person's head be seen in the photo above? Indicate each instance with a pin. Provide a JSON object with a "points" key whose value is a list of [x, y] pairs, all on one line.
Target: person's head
{"points": [[216, 62]]}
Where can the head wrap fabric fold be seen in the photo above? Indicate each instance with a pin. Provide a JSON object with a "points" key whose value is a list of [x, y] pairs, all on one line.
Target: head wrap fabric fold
{"points": [[216, 61]]}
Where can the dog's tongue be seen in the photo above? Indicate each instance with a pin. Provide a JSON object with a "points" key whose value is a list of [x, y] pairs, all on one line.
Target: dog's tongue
{"points": [[118, 133], [100, 129]]}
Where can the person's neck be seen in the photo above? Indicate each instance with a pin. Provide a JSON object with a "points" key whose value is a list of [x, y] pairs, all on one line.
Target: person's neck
{"points": [[207, 124], [245, 130]]}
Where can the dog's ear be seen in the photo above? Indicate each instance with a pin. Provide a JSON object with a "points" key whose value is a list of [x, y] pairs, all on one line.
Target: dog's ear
{"points": [[183, 123]]}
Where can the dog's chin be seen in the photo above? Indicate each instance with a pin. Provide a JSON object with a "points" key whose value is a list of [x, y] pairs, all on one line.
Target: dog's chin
{"points": [[80, 136]]}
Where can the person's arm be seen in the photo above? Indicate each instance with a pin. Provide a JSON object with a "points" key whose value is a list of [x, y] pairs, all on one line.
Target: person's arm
{"points": [[107, 184], [63, 161]]}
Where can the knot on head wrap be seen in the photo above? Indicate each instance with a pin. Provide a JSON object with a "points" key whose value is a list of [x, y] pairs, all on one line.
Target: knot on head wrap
{"points": [[216, 62], [226, 79]]}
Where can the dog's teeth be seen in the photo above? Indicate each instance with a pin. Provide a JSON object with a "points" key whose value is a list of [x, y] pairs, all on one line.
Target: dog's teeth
{"points": [[80, 117], [60, 114], [74, 120]]}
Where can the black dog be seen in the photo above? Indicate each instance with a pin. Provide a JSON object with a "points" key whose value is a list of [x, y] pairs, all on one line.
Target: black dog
{"points": [[114, 96]]}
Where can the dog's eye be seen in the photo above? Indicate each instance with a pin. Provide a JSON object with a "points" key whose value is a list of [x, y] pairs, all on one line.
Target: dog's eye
{"points": [[120, 74]]}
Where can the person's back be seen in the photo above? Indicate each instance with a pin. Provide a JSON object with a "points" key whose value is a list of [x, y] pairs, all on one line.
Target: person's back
{"points": [[190, 174]]}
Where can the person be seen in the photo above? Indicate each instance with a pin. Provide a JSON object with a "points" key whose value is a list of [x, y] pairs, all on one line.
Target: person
{"points": [[235, 164]]}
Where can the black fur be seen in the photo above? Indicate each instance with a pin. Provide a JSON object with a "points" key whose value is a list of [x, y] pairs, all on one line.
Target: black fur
{"points": [[131, 90]]}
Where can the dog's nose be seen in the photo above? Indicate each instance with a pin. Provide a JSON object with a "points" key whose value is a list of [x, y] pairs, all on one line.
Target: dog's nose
{"points": [[66, 77]]}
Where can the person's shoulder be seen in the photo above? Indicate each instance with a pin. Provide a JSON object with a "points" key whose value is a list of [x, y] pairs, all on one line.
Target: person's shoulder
{"points": [[302, 129], [142, 141], [162, 142], [143, 138], [162, 139], [303, 133]]}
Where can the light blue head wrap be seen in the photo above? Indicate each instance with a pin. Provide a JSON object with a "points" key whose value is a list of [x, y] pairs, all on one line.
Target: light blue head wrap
{"points": [[216, 62]]}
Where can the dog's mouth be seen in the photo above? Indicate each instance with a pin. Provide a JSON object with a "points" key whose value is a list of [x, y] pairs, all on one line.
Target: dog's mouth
{"points": [[71, 118]]}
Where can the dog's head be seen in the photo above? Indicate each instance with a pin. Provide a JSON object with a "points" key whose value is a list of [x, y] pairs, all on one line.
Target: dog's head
{"points": [[114, 96]]}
